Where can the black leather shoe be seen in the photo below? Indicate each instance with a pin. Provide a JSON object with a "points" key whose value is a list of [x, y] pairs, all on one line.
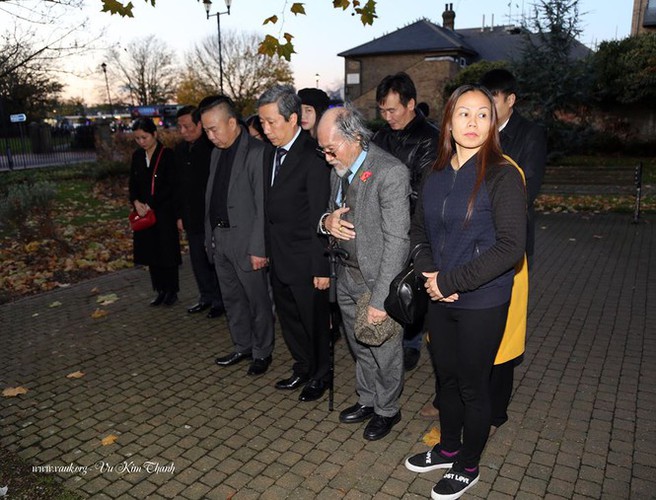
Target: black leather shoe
{"points": [[259, 366], [312, 391], [292, 382], [356, 413], [196, 308], [216, 312], [232, 359], [410, 358], [379, 427], [170, 298], [159, 299]]}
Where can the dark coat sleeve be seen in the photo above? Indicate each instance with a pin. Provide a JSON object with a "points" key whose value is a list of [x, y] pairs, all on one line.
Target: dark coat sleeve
{"points": [[424, 259]]}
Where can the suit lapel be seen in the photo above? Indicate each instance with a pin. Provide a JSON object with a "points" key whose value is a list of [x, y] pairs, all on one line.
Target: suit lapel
{"points": [[362, 186], [291, 162], [238, 160]]}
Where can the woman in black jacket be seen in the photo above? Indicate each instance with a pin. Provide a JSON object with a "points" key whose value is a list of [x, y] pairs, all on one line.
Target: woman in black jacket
{"points": [[472, 212], [153, 186]]}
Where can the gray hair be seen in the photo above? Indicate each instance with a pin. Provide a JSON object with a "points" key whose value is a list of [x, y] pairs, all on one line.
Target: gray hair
{"points": [[350, 125], [286, 99]]}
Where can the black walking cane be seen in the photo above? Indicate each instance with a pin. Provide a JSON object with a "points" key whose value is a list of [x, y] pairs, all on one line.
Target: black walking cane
{"points": [[334, 253]]}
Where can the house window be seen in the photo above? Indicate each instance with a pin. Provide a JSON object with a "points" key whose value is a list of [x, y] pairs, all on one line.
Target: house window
{"points": [[353, 79]]}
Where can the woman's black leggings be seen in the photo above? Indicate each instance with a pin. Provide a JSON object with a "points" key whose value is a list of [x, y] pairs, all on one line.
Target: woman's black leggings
{"points": [[464, 343]]}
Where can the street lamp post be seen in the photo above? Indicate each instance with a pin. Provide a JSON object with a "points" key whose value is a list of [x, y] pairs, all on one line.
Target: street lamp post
{"points": [[208, 5], [109, 98]]}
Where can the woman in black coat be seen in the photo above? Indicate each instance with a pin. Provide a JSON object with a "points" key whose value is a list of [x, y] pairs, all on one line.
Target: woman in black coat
{"points": [[153, 186]]}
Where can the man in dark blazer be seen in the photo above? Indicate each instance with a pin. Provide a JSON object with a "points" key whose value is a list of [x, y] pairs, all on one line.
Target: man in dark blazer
{"points": [[192, 157], [234, 230], [297, 189], [371, 222], [526, 143]]}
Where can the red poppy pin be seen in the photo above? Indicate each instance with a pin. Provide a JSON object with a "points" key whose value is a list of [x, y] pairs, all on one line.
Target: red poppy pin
{"points": [[365, 176]]}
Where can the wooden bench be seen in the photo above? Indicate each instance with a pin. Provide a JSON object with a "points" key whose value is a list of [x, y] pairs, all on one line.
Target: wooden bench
{"points": [[595, 180]]}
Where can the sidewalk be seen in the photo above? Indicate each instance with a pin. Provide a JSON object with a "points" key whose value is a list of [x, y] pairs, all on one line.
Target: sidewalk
{"points": [[582, 419]]}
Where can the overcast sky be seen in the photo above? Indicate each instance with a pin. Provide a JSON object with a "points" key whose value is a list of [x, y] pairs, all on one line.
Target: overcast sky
{"points": [[319, 35]]}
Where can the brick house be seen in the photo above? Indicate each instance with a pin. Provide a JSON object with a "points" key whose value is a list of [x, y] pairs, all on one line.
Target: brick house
{"points": [[431, 54], [644, 17]]}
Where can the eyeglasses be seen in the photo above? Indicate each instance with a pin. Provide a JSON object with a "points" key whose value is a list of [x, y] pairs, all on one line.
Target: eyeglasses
{"points": [[330, 154]]}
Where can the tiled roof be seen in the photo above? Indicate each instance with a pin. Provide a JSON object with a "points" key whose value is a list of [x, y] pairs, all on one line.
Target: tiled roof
{"points": [[500, 43]]}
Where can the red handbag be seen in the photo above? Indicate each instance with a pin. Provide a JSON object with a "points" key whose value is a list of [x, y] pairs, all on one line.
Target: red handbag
{"points": [[137, 222]]}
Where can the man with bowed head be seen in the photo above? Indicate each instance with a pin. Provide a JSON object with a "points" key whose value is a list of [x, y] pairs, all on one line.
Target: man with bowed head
{"points": [[369, 217], [234, 233], [296, 191], [193, 162]]}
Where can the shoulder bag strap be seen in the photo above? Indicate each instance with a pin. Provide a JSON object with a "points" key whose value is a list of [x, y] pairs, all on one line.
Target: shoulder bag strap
{"points": [[152, 184]]}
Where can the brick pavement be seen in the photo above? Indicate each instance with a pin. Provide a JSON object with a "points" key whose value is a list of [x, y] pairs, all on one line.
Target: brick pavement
{"points": [[582, 420]]}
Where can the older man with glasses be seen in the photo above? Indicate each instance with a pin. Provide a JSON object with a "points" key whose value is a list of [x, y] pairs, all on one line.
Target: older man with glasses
{"points": [[369, 217]]}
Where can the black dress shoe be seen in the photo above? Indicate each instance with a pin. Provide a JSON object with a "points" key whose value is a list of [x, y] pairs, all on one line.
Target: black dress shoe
{"points": [[292, 382], [410, 358], [232, 359], [216, 312], [159, 299], [259, 366], [379, 426], [170, 298], [200, 307], [356, 413], [313, 390]]}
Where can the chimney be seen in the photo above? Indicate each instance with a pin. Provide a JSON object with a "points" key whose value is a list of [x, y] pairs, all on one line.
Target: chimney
{"points": [[483, 24], [448, 17]]}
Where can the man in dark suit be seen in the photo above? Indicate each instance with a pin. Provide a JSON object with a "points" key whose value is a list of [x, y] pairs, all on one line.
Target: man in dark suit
{"points": [[234, 231], [526, 143], [296, 196], [193, 163], [371, 222]]}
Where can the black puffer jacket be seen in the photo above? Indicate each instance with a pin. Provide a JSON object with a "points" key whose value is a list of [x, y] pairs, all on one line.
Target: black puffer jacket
{"points": [[415, 145]]}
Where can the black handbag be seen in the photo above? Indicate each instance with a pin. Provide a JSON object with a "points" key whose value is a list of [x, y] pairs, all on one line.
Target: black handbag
{"points": [[407, 301]]}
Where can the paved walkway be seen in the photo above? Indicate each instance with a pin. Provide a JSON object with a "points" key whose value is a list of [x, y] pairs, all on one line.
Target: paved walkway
{"points": [[582, 423]]}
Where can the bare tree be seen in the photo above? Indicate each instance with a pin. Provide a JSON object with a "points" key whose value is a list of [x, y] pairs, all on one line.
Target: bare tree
{"points": [[40, 33], [246, 73], [146, 71]]}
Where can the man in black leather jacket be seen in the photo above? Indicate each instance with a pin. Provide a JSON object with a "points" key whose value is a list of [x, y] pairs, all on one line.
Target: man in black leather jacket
{"points": [[413, 140]]}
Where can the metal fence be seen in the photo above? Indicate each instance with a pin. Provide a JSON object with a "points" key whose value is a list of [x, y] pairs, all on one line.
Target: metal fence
{"points": [[40, 145]]}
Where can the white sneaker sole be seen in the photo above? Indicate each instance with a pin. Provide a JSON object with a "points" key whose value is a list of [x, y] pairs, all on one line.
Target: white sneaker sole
{"points": [[437, 496], [427, 468]]}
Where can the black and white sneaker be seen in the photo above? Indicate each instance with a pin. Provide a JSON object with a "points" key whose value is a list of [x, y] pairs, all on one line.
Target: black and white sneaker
{"points": [[431, 460], [454, 483]]}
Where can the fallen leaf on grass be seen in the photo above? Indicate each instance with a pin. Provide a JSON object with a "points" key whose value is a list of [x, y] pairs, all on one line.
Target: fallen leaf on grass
{"points": [[432, 437], [107, 440], [4, 490], [11, 392], [105, 300], [98, 313], [77, 374], [95, 290], [56, 303], [597, 236]]}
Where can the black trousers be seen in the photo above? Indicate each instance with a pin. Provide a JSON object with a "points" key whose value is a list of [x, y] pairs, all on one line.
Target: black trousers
{"points": [[304, 315], [164, 278], [204, 272], [464, 343]]}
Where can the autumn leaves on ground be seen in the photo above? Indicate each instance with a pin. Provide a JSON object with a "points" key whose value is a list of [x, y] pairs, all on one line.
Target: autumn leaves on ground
{"points": [[84, 233]]}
